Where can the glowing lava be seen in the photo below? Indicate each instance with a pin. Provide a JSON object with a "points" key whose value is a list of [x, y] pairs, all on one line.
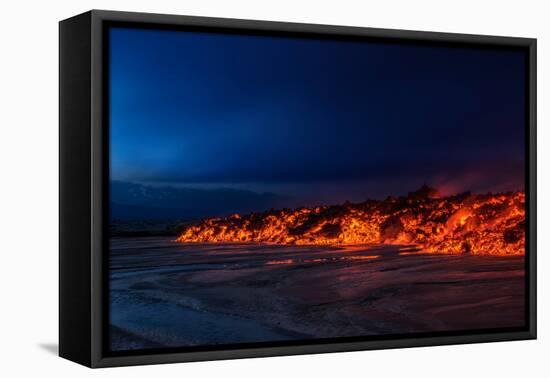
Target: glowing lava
{"points": [[491, 224]]}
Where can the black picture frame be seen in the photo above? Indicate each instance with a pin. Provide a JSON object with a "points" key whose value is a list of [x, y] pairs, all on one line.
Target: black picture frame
{"points": [[83, 228]]}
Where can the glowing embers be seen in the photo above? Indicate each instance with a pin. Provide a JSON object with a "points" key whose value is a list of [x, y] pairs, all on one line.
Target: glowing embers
{"points": [[464, 223]]}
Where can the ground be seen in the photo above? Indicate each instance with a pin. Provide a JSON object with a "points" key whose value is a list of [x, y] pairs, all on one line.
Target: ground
{"points": [[167, 294]]}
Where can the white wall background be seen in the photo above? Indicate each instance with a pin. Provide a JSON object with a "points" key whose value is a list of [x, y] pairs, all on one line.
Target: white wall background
{"points": [[29, 176]]}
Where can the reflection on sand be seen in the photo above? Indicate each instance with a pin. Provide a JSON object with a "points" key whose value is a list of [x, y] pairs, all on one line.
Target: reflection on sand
{"points": [[170, 294]]}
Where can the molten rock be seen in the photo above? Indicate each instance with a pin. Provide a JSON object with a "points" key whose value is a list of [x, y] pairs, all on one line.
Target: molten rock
{"points": [[491, 224]]}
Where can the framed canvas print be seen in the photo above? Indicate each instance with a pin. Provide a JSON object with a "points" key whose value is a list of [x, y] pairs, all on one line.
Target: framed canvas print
{"points": [[234, 188]]}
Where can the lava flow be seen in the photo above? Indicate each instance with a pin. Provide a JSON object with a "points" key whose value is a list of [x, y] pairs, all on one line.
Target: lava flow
{"points": [[485, 224]]}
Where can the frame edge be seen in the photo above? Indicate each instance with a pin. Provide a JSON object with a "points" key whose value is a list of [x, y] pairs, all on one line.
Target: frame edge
{"points": [[74, 193]]}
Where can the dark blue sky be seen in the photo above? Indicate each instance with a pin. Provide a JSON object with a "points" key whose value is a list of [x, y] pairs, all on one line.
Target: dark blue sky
{"points": [[314, 120]]}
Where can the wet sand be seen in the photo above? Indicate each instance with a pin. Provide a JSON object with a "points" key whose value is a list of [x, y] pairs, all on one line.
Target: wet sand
{"points": [[166, 294]]}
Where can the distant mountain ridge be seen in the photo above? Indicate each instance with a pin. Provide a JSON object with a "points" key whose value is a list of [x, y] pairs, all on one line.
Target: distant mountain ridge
{"points": [[131, 201]]}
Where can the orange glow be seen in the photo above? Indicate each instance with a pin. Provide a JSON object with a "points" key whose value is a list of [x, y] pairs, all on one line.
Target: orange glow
{"points": [[488, 224], [373, 257], [279, 262]]}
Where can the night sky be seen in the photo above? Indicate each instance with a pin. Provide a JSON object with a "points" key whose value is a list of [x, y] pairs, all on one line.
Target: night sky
{"points": [[314, 121]]}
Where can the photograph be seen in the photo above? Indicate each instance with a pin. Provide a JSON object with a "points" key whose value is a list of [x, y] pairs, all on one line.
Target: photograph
{"points": [[268, 189]]}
